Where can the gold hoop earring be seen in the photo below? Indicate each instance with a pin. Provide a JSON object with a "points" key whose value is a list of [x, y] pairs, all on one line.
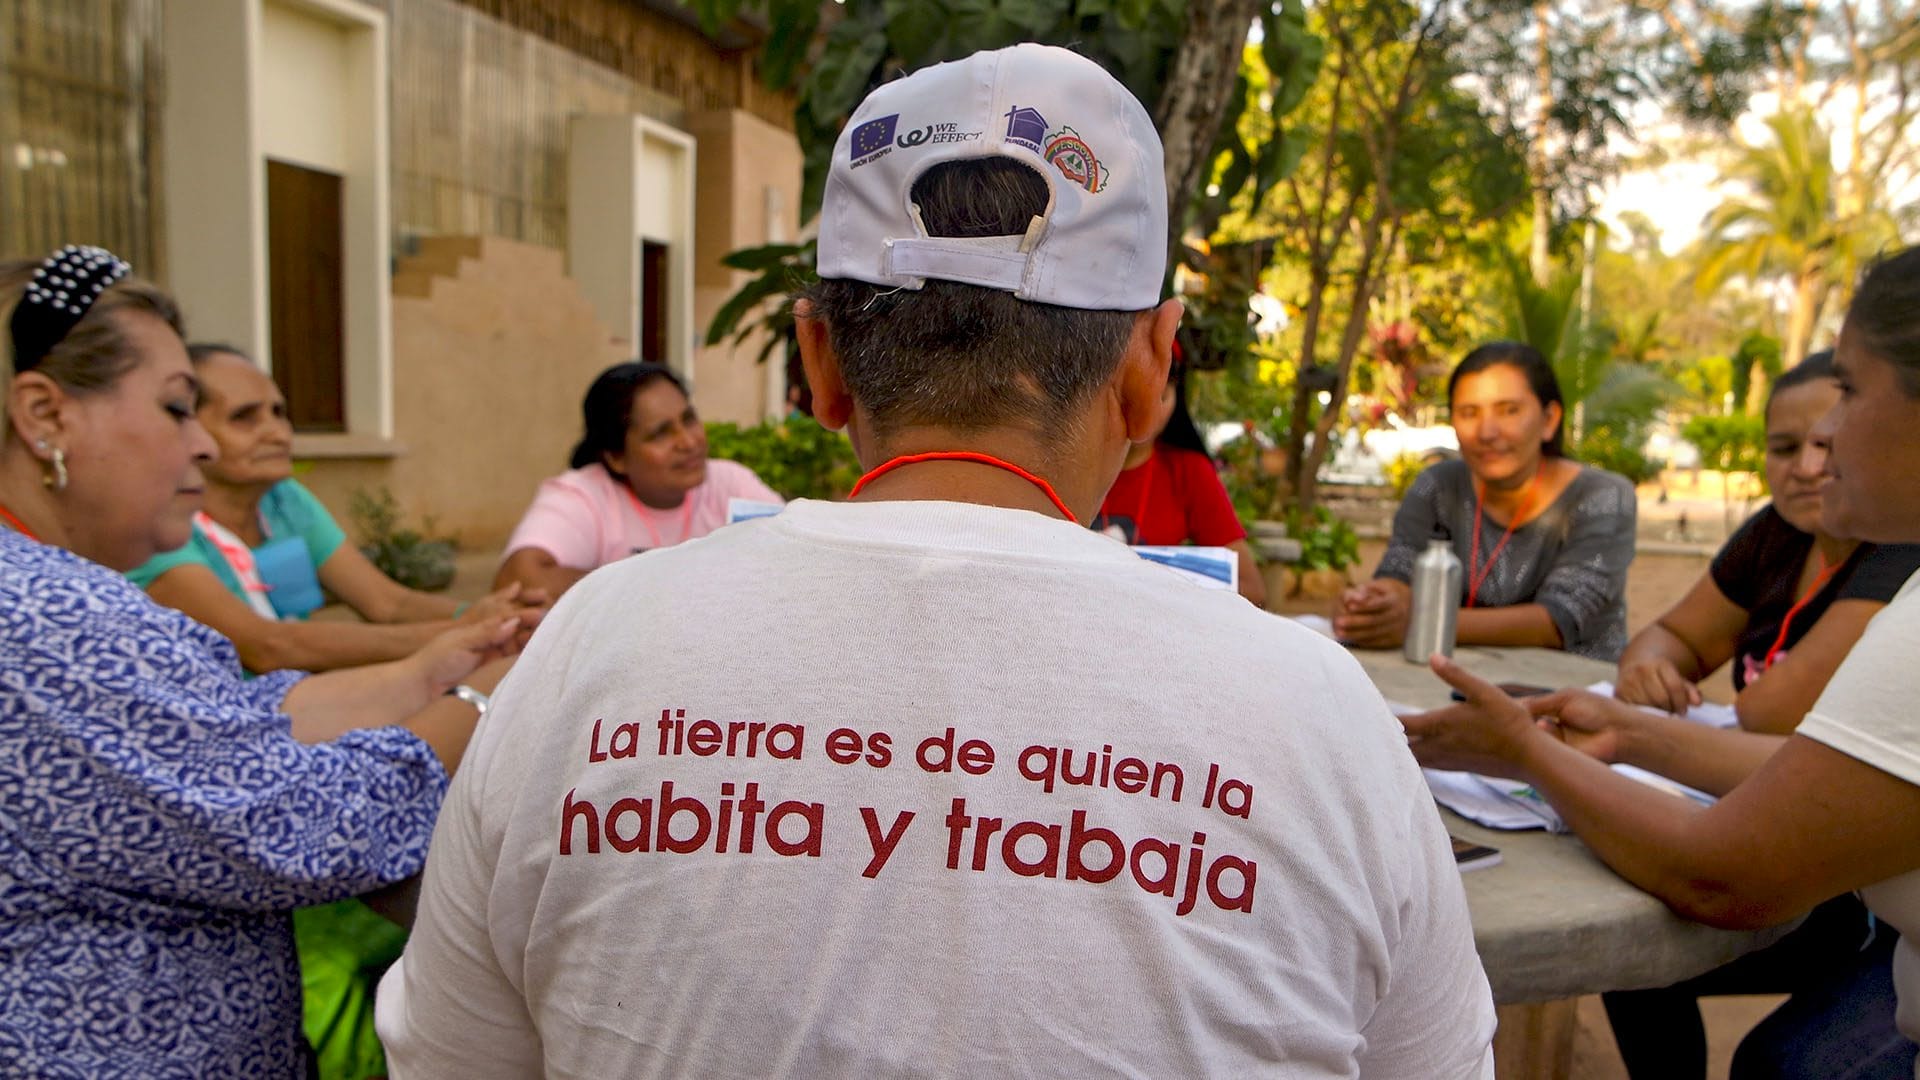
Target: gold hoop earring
{"points": [[56, 476]]}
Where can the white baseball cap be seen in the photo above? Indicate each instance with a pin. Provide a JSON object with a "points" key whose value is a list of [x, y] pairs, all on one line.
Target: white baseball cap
{"points": [[1102, 243]]}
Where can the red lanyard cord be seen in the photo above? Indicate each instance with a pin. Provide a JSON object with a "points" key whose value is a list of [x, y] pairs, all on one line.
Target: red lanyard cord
{"points": [[17, 525], [1477, 574], [1827, 570], [977, 459], [646, 516]]}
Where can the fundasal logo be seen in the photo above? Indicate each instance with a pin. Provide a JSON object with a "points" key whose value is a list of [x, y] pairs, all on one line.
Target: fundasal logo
{"points": [[1026, 126]]}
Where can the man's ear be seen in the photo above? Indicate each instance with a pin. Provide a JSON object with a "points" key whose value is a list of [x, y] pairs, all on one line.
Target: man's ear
{"points": [[1143, 376], [832, 405]]}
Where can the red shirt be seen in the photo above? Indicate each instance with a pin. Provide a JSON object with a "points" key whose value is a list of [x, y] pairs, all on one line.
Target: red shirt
{"points": [[1173, 497]]}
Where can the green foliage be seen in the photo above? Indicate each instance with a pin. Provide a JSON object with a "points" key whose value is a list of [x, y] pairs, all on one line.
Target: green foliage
{"points": [[1402, 471], [1257, 494], [797, 458], [1728, 444], [1757, 350], [1618, 449], [1327, 542], [415, 558], [871, 41]]}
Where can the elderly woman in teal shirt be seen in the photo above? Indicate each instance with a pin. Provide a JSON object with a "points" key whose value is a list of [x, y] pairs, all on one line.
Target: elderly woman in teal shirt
{"points": [[260, 552], [264, 547]]}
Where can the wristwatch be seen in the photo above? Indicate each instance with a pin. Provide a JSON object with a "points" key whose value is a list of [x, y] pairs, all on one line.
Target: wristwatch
{"points": [[471, 696]]}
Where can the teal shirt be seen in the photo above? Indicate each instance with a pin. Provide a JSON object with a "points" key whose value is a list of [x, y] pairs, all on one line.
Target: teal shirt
{"points": [[286, 510]]}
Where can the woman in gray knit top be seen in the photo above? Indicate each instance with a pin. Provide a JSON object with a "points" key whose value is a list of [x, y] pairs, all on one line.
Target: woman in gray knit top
{"points": [[1545, 541]]}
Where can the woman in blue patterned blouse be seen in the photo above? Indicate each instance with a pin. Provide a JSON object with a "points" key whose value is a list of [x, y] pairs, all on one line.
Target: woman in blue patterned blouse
{"points": [[159, 815]]}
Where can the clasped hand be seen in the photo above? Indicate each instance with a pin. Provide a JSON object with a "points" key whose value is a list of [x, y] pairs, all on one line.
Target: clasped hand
{"points": [[1494, 733], [1373, 615]]}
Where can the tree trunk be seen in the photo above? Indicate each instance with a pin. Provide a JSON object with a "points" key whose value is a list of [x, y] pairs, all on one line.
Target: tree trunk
{"points": [[1807, 287], [1539, 256], [1299, 476], [1194, 101]]}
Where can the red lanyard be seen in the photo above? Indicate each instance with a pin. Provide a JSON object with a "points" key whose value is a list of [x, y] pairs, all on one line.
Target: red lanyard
{"points": [[978, 459], [18, 525], [1477, 574], [646, 517], [1819, 582]]}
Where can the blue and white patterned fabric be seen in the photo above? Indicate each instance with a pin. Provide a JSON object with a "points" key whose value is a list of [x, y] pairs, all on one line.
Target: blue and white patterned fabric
{"points": [[158, 822]]}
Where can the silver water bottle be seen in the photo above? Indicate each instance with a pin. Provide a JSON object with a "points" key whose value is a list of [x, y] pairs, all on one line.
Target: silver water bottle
{"points": [[1436, 601]]}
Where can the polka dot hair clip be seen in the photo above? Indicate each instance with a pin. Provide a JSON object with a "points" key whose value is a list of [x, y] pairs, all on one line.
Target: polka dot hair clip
{"points": [[57, 298]]}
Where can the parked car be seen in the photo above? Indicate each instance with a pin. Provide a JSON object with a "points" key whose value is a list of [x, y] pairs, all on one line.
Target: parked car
{"points": [[1357, 458]]}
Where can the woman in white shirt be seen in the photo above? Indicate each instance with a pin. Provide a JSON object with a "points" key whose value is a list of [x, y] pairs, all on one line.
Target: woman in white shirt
{"points": [[1831, 808]]}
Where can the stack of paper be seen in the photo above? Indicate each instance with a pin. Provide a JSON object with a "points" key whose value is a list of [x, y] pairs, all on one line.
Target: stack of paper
{"points": [[1708, 713]]}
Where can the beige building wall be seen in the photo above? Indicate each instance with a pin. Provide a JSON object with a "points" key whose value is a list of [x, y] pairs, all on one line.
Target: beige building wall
{"points": [[493, 348], [747, 194]]}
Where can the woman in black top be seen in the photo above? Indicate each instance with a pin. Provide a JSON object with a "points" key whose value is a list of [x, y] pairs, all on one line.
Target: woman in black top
{"points": [[1782, 599], [1783, 602]]}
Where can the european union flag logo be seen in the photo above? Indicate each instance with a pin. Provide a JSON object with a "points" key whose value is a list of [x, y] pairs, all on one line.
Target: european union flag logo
{"points": [[872, 135], [1026, 126]]}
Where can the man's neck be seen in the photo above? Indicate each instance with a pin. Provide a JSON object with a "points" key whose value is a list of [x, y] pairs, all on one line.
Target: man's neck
{"points": [[1079, 483], [237, 509], [1139, 454]]}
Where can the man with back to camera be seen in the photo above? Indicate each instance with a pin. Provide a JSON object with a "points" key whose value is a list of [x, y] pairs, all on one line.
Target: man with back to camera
{"points": [[936, 781]]}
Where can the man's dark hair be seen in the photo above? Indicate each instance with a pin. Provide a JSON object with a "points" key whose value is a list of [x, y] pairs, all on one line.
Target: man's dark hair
{"points": [[1883, 315], [965, 356], [1529, 362]]}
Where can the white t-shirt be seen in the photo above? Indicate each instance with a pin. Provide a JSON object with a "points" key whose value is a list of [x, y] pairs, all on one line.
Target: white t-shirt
{"points": [[586, 518], [1867, 712], [871, 724]]}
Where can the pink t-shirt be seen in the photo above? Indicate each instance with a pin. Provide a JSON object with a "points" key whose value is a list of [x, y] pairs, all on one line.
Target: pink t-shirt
{"points": [[586, 519]]}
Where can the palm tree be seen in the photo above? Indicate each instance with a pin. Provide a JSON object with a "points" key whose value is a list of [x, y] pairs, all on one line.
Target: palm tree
{"points": [[1788, 225]]}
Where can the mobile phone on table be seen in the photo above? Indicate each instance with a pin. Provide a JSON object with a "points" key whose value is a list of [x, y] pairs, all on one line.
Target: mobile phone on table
{"points": [[1513, 689]]}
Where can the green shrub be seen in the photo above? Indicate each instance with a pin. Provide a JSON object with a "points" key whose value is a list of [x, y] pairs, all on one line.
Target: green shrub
{"points": [[1327, 542], [413, 557], [1403, 470], [1618, 449], [797, 458]]}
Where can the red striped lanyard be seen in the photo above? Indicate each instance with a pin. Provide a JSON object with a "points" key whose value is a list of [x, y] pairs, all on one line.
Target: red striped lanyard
{"points": [[1477, 574], [978, 459], [233, 549], [17, 525], [646, 517], [1820, 580]]}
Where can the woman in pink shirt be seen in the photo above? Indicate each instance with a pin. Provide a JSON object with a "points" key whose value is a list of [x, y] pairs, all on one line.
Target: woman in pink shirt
{"points": [[640, 480]]}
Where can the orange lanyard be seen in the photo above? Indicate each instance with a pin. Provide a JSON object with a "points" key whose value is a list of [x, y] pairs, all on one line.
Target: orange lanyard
{"points": [[978, 459], [17, 525], [646, 517], [1477, 574], [1819, 582]]}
